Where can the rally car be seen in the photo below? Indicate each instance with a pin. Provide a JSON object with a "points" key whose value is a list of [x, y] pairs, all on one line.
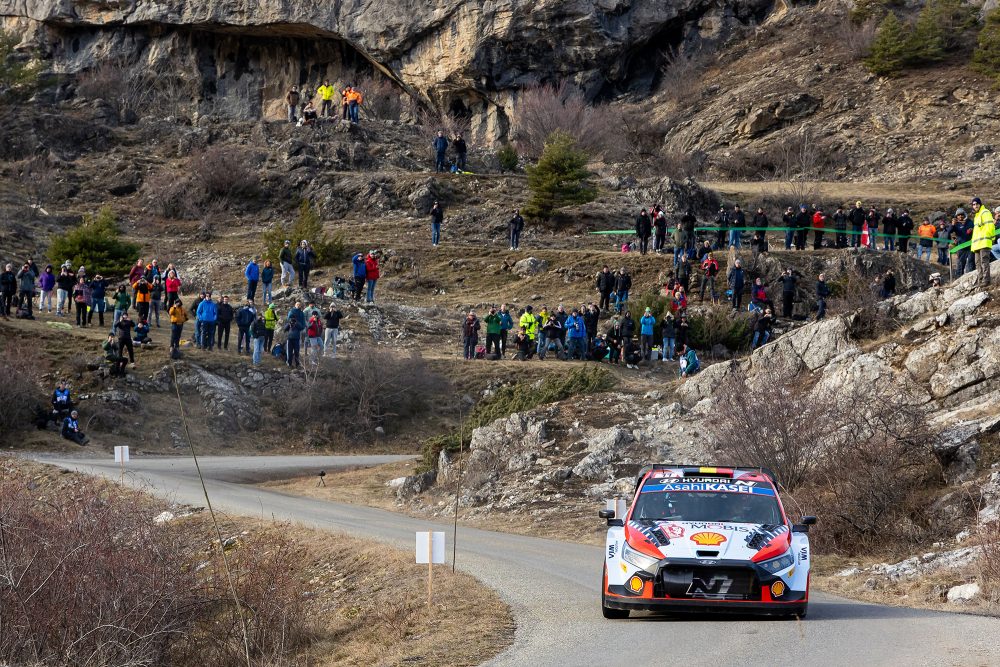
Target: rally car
{"points": [[700, 538]]}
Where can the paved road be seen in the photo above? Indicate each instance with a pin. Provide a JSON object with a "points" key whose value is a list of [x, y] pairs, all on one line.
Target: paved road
{"points": [[553, 588]]}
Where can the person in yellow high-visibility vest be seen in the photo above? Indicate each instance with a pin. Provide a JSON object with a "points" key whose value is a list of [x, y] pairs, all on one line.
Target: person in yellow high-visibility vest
{"points": [[983, 232], [326, 93]]}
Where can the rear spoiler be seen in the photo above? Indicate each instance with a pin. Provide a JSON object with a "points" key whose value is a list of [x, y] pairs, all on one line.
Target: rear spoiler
{"points": [[700, 469]]}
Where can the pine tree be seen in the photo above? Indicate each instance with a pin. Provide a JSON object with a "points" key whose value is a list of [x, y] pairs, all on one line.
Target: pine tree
{"points": [[307, 227], [559, 179], [889, 50], [96, 244], [928, 41], [986, 58]]}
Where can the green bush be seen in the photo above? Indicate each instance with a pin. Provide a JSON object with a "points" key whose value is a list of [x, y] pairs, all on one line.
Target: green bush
{"points": [[559, 179], [16, 75], [658, 305], [890, 49], [941, 29], [97, 245], [308, 227], [719, 326], [508, 157], [986, 57], [518, 398]]}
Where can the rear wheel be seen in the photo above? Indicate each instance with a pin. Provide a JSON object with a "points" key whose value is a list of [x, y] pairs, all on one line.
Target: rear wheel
{"points": [[610, 612]]}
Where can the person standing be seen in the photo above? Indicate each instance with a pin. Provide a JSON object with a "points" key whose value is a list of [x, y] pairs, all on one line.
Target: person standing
{"points": [[576, 334], [99, 295], [8, 288], [314, 337], [822, 293], [802, 223], [354, 101], [332, 331], [623, 283], [207, 317], [156, 299], [172, 286], [739, 222], [292, 98], [788, 222], [668, 332], [138, 271], [252, 274], [46, 283], [646, 325], [437, 217], [605, 287], [904, 227], [259, 332], [245, 317], [271, 322], [659, 229], [506, 324], [858, 218], [873, 219], [760, 225], [942, 236], [359, 277], [688, 222], [461, 152], [295, 324], [123, 328], [440, 144], [710, 269], [722, 223], [982, 240], [889, 230], [304, 258], [591, 318], [818, 225], [178, 316], [493, 333], [326, 93], [142, 291], [122, 302], [788, 283], [266, 279], [514, 227], [643, 229], [285, 259], [224, 320], [65, 282], [962, 231], [470, 336], [528, 323], [81, 299], [345, 105], [371, 275], [926, 231], [840, 225], [737, 281], [26, 286]]}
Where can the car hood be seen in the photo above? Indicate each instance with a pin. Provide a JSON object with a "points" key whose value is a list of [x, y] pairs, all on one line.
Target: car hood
{"points": [[693, 539]]}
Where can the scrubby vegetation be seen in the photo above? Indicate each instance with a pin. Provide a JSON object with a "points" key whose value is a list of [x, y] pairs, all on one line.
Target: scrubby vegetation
{"points": [[307, 227], [97, 245], [560, 178]]}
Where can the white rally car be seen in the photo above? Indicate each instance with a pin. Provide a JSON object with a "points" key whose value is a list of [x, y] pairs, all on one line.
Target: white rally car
{"points": [[702, 538]]}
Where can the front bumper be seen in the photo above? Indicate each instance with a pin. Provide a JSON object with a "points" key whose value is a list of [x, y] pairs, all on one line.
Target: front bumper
{"points": [[672, 605]]}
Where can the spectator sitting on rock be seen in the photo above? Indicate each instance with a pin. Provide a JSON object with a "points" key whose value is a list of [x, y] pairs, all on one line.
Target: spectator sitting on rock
{"points": [[689, 362], [142, 333], [525, 346], [888, 285], [762, 329], [309, 114], [71, 429]]}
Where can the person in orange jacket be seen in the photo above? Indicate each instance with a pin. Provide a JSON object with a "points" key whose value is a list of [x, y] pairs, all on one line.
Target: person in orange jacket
{"points": [[354, 100]]}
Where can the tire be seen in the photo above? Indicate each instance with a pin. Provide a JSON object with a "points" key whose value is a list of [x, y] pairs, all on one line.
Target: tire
{"points": [[610, 612]]}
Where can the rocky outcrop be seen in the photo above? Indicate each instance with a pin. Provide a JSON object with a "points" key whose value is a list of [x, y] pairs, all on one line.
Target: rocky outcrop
{"points": [[466, 57], [230, 408]]}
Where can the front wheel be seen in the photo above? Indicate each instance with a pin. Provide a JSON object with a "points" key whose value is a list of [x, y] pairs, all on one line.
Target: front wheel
{"points": [[610, 612]]}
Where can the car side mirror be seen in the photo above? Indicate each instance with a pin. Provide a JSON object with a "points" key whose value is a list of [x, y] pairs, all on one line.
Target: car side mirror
{"points": [[804, 526], [808, 521], [606, 514]]}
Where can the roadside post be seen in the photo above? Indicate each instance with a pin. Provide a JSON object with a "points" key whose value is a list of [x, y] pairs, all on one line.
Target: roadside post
{"points": [[121, 456], [430, 550]]}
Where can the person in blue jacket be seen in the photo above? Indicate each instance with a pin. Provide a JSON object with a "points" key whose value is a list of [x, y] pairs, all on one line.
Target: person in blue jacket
{"points": [[646, 324], [440, 148], [576, 335], [252, 273], [296, 324], [360, 274], [207, 315], [506, 324]]}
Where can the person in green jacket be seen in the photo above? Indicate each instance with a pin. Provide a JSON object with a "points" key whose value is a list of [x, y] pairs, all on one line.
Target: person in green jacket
{"points": [[493, 332], [271, 323], [123, 300]]}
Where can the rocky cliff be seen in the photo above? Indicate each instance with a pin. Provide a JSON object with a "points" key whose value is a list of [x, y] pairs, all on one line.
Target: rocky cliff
{"points": [[467, 56]]}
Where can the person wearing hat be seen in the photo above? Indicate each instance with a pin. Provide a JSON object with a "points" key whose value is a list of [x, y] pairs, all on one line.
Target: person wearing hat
{"points": [[371, 274], [962, 232], [285, 258], [252, 274], [576, 336], [71, 429], [904, 228], [305, 257], [802, 223], [982, 239], [857, 217]]}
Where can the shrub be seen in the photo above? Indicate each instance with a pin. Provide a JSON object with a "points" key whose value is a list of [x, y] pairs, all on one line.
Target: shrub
{"points": [[508, 158], [769, 421], [307, 227], [520, 397], [87, 578], [224, 172], [96, 244], [718, 326], [542, 111], [658, 305], [986, 57], [890, 50], [559, 179], [128, 89], [682, 73], [988, 562], [172, 196], [20, 393], [17, 74], [382, 99]]}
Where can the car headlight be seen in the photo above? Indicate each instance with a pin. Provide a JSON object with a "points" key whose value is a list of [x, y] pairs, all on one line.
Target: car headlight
{"points": [[640, 560], [780, 563]]}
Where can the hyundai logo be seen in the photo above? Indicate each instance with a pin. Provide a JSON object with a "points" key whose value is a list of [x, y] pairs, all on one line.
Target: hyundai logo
{"points": [[709, 562]]}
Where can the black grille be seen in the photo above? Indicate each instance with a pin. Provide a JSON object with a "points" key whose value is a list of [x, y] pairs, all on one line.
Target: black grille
{"points": [[707, 583]]}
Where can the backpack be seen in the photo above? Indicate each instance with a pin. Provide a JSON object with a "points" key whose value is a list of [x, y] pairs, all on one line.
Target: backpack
{"points": [[23, 314], [278, 351], [480, 352]]}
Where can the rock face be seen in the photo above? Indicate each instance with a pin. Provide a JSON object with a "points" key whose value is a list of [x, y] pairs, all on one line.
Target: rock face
{"points": [[467, 57]]}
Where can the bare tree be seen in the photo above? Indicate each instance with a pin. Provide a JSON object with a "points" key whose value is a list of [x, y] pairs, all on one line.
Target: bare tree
{"points": [[542, 110], [129, 88]]}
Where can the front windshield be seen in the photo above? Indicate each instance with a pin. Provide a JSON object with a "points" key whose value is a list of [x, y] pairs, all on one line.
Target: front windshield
{"points": [[707, 507]]}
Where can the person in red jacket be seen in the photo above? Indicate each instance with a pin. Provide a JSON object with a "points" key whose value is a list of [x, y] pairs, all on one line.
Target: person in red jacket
{"points": [[371, 274], [138, 271], [818, 223], [173, 288]]}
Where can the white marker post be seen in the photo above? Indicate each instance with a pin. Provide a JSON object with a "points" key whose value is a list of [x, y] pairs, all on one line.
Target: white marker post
{"points": [[121, 456], [430, 550]]}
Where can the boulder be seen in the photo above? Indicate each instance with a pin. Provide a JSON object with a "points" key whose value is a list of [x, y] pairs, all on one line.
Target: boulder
{"points": [[604, 452], [963, 593], [967, 305], [414, 485], [701, 385], [530, 266]]}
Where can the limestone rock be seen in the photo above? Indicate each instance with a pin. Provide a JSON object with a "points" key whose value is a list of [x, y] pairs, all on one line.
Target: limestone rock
{"points": [[602, 451], [963, 593], [530, 266]]}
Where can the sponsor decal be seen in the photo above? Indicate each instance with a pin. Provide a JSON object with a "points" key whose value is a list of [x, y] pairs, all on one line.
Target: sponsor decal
{"points": [[651, 532], [708, 539], [725, 487], [612, 549], [736, 528], [763, 534], [804, 554], [635, 584], [716, 587], [673, 530], [778, 589]]}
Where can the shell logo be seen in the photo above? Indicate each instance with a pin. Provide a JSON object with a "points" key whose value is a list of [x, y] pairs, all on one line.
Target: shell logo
{"points": [[708, 539], [777, 589]]}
